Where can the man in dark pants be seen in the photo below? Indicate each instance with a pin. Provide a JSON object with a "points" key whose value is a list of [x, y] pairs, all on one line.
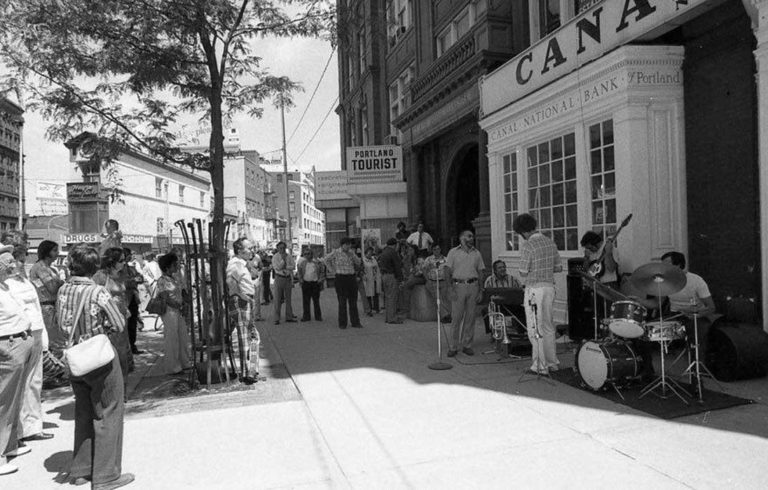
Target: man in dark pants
{"points": [[346, 265], [131, 279], [311, 274], [391, 276]]}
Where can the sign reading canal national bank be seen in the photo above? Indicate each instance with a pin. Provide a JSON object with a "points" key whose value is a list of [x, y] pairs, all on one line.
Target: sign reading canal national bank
{"points": [[375, 164], [585, 38]]}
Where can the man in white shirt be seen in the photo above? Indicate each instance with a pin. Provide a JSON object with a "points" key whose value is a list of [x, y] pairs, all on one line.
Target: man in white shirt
{"points": [[421, 240], [311, 274], [241, 292]]}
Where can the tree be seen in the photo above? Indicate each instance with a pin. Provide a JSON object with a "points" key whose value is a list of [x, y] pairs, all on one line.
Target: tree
{"points": [[129, 69]]}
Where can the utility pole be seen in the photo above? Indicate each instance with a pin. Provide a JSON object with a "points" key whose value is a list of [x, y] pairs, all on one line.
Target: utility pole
{"points": [[285, 175]]}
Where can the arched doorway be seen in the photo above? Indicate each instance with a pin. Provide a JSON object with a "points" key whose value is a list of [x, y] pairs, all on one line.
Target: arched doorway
{"points": [[463, 196]]}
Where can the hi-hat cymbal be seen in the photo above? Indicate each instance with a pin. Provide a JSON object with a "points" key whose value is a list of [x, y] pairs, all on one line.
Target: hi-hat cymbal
{"points": [[658, 278]]}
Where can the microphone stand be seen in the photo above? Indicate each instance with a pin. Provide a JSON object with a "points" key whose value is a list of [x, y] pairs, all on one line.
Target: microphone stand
{"points": [[537, 337], [439, 365]]}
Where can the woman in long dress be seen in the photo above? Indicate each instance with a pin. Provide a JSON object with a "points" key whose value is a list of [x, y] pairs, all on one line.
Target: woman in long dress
{"points": [[109, 276], [174, 323], [371, 281]]}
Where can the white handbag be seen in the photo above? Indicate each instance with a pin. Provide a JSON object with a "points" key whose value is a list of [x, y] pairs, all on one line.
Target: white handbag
{"points": [[87, 355]]}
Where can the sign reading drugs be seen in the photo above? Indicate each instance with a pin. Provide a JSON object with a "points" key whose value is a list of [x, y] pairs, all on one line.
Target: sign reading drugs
{"points": [[374, 164]]}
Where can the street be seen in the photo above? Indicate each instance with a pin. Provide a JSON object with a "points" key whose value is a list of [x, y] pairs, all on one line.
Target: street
{"points": [[360, 409]]}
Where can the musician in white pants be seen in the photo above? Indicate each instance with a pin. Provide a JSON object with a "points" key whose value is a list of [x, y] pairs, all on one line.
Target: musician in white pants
{"points": [[539, 260]]}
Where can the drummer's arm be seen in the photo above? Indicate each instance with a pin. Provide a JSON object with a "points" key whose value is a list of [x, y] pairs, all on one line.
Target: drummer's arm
{"points": [[709, 307]]}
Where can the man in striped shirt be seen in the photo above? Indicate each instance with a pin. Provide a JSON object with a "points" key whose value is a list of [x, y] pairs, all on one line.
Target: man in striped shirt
{"points": [[539, 260], [345, 265]]}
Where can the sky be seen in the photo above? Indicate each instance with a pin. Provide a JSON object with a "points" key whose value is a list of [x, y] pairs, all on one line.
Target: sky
{"points": [[302, 60]]}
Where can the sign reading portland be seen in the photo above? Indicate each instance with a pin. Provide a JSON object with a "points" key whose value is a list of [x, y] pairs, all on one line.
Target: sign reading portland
{"points": [[374, 164]]}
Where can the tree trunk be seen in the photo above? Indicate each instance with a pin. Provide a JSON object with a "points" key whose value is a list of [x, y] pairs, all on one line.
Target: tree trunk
{"points": [[217, 240]]}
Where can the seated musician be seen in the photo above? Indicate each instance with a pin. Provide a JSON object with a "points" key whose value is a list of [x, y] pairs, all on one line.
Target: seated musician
{"points": [[500, 279], [694, 297]]}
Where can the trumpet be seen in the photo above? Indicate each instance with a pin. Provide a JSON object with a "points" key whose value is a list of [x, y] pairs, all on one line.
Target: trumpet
{"points": [[497, 323]]}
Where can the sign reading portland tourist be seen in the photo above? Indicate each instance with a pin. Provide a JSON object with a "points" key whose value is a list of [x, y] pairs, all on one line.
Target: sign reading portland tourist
{"points": [[374, 164]]}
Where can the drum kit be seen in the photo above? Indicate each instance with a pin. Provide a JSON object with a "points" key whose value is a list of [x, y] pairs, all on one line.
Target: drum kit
{"points": [[611, 361]]}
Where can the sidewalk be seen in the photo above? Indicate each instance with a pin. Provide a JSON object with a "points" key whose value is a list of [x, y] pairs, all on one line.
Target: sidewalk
{"points": [[361, 409]]}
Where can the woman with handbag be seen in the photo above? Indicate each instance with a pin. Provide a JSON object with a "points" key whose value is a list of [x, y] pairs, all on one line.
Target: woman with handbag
{"points": [[87, 311], [175, 331], [110, 276]]}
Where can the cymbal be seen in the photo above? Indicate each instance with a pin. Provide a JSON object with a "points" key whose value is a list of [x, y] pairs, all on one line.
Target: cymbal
{"points": [[658, 278]]}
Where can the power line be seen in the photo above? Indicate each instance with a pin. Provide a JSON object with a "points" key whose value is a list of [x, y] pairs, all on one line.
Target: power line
{"points": [[333, 105], [322, 75]]}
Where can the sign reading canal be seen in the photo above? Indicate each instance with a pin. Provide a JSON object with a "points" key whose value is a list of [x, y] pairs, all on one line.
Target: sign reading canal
{"points": [[374, 164]]}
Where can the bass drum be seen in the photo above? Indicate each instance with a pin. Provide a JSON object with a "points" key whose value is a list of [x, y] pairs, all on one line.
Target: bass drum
{"points": [[607, 362]]}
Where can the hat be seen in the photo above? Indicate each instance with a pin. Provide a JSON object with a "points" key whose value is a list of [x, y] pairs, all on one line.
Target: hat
{"points": [[7, 262]]}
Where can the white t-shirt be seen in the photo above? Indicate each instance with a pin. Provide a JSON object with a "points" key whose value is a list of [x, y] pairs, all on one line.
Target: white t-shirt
{"points": [[426, 240], [695, 287]]}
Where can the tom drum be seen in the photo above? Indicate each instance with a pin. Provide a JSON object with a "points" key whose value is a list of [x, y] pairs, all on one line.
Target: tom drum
{"points": [[627, 319]]}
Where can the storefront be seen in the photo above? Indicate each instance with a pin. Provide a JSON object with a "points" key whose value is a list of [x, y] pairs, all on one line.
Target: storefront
{"points": [[638, 107]]}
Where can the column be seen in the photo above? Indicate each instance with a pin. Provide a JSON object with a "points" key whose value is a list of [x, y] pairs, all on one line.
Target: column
{"points": [[412, 157], [758, 12], [482, 223]]}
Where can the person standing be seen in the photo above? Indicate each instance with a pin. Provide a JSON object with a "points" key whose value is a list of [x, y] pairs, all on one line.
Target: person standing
{"points": [[26, 294], [434, 273], [346, 265], [539, 261], [311, 274], [99, 395], [255, 268], [131, 278], [266, 278], [151, 272], [283, 266], [241, 293], [109, 276], [16, 366], [421, 240], [113, 237], [47, 283], [175, 330], [402, 232], [465, 267], [371, 282], [390, 266]]}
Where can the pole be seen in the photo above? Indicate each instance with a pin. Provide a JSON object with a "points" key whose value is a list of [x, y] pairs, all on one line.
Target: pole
{"points": [[439, 365], [285, 175], [21, 179]]}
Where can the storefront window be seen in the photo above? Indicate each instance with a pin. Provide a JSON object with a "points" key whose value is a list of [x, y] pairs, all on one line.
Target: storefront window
{"points": [[549, 16], [552, 197], [510, 200], [602, 177]]}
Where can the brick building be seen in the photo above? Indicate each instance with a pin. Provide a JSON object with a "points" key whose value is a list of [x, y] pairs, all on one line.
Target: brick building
{"points": [[642, 107], [11, 128]]}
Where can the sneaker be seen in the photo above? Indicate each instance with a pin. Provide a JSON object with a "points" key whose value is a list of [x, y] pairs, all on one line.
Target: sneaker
{"points": [[8, 468], [123, 480], [555, 367], [452, 353], [19, 451], [468, 351]]}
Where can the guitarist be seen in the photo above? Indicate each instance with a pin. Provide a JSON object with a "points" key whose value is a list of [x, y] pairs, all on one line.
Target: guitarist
{"points": [[601, 258]]}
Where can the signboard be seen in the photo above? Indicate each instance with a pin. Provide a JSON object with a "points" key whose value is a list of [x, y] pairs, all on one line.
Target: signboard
{"points": [[331, 185], [96, 238], [84, 192], [371, 238], [374, 164], [586, 37], [51, 190]]}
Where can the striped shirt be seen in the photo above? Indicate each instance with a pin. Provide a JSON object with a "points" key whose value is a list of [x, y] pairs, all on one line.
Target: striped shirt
{"points": [[342, 262], [508, 281], [539, 260], [46, 280], [100, 312]]}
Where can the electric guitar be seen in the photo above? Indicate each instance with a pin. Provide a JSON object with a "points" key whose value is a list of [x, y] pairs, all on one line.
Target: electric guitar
{"points": [[595, 267]]}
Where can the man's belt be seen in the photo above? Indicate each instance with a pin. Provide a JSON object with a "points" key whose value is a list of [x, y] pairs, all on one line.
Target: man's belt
{"points": [[18, 335], [282, 275], [465, 281], [435, 280], [48, 303]]}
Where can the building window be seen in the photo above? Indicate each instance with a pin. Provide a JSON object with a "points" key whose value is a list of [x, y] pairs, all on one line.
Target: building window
{"points": [[400, 95], [549, 16], [364, 126], [160, 226], [361, 49], [459, 25], [158, 187], [292, 207], [292, 195], [280, 178], [202, 199], [552, 196], [509, 169], [602, 177], [398, 19], [181, 194]]}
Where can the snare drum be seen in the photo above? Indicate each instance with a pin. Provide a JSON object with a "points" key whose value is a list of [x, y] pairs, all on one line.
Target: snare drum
{"points": [[627, 319], [671, 331], [607, 361]]}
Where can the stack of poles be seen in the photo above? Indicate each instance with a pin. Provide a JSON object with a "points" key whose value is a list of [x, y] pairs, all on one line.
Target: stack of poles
{"points": [[191, 312]]}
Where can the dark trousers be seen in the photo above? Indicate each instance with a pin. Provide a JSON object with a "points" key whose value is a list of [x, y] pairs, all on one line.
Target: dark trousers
{"points": [[266, 290], [346, 291], [390, 286], [132, 322], [310, 292], [98, 451]]}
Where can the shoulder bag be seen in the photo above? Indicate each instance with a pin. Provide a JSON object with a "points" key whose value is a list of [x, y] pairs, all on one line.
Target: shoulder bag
{"points": [[156, 305], [90, 354]]}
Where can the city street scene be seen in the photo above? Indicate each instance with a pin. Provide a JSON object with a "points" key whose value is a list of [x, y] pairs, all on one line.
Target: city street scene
{"points": [[396, 244]]}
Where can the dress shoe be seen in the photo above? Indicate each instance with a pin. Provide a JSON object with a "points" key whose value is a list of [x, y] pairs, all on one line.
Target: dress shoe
{"points": [[79, 480], [342, 327], [291, 320], [19, 451], [370, 313], [7, 469], [359, 325], [306, 319], [137, 351], [396, 322], [554, 368], [319, 319], [452, 353], [41, 436], [468, 351], [123, 480], [277, 322]]}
